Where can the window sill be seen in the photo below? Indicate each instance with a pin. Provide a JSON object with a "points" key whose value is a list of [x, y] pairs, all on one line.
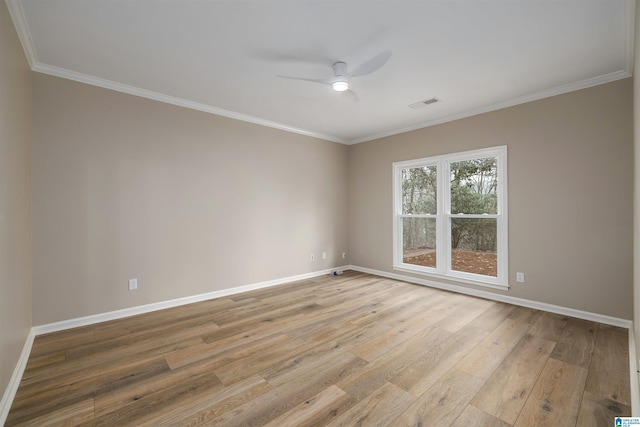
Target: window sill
{"points": [[455, 279]]}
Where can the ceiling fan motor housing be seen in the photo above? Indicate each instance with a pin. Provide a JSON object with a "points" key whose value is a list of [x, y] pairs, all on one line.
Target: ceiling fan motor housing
{"points": [[341, 82], [340, 69]]}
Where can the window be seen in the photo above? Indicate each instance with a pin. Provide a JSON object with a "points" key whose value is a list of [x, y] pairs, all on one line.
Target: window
{"points": [[450, 216]]}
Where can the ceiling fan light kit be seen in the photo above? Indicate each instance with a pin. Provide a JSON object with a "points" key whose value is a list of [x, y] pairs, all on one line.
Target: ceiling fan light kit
{"points": [[340, 80], [340, 85]]}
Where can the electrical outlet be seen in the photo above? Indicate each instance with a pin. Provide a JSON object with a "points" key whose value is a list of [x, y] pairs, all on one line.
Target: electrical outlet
{"points": [[344, 255], [324, 255], [520, 277], [313, 257], [133, 284]]}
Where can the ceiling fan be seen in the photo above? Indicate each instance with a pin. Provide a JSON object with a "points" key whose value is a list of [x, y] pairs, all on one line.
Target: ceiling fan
{"points": [[339, 82]]}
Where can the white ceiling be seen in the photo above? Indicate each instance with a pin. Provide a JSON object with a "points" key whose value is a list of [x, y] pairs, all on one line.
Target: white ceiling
{"points": [[223, 56]]}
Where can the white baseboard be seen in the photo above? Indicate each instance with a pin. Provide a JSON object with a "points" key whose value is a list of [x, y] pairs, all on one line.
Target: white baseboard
{"points": [[594, 317], [16, 377], [14, 382], [608, 320], [635, 377], [119, 314]]}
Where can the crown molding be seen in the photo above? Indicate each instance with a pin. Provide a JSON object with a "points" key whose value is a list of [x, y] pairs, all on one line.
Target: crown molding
{"points": [[17, 15], [559, 90], [20, 22], [629, 34], [132, 90], [156, 96]]}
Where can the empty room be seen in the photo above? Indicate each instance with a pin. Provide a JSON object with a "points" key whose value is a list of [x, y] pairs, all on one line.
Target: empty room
{"points": [[319, 213]]}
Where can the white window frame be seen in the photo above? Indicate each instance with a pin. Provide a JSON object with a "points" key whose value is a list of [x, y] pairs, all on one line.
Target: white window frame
{"points": [[443, 218]]}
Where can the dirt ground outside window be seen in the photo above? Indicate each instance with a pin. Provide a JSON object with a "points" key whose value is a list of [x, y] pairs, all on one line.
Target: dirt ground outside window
{"points": [[485, 263]]}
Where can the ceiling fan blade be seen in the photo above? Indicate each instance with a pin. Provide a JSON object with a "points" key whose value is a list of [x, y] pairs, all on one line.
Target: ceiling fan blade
{"points": [[372, 64], [350, 95], [326, 81]]}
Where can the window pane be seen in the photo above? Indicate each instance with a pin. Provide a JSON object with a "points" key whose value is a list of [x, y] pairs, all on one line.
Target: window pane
{"points": [[474, 246], [474, 186], [419, 190], [419, 241]]}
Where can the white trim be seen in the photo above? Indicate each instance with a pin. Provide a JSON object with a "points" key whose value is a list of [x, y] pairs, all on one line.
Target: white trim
{"points": [[156, 96], [119, 314], [16, 377], [20, 23], [634, 375], [14, 382], [560, 90], [629, 31], [444, 216], [17, 14], [586, 315], [468, 281]]}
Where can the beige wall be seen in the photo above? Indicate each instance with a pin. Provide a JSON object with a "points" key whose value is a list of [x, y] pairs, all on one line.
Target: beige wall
{"points": [[191, 203], [15, 198], [184, 201], [570, 167]]}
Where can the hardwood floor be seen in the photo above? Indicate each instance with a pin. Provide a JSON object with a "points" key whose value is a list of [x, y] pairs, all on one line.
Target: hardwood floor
{"points": [[351, 350]]}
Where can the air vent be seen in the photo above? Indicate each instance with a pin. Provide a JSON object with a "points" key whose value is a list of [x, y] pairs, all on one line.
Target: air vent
{"points": [[424, 103]]}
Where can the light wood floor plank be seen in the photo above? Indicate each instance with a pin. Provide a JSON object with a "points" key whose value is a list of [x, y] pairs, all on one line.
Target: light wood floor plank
{"points": [[597, 411], [391, 364], [131, 394], [55, 394], [142, 408], [206, 407], [319, 410], [433, 363], [507, 390], [72, 415], [223, 354], [291, 393], [474, 417], [390, 339], [525, 314], [335, 315], [556, 397], [73, 371], [394, 306], [466, 309], [549, 326], [576, 343], [483, 360], [346, 337], [608, 377], [443, 402], [494, 316], [354, 349], [378, 409], [309, 364]]}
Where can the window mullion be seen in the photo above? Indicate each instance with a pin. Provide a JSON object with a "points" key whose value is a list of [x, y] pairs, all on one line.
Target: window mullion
{"points": [[442, 260]]}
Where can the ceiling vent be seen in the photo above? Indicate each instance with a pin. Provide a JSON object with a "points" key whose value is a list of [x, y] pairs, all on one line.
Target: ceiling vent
{"points": [[424, 103]]}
